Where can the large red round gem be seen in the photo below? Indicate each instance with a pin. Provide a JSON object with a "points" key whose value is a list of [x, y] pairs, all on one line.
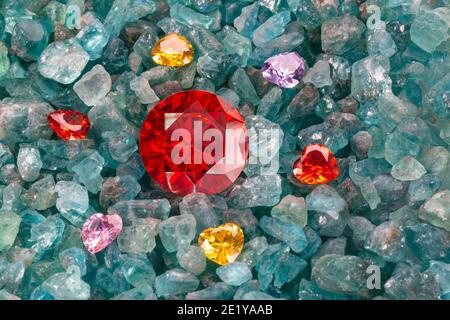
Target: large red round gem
{"points": [[69, 124], [194, 141], [317, 165]]}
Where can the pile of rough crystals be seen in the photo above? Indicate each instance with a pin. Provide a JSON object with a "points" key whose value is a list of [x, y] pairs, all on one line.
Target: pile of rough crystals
{"points": [[378, 96]]}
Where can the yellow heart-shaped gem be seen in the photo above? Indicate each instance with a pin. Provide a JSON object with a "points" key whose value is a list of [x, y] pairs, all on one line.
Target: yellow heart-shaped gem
{"points": [[222, 244]]}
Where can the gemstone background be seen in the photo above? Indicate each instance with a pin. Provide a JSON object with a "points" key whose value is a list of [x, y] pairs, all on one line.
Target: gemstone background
{"points": [[375, 93]]}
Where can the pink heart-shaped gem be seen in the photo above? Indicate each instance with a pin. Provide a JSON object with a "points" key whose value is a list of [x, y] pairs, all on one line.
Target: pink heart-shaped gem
{"points": [[100, 230]]}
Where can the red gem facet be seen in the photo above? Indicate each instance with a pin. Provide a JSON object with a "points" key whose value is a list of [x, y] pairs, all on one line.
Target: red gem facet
{"points": [[317, 165], [69, 124], [181, 131]]}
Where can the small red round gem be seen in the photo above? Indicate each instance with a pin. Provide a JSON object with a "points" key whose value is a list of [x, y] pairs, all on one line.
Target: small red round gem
{"points": [[194, 141], [69, 124], [317, 165]]}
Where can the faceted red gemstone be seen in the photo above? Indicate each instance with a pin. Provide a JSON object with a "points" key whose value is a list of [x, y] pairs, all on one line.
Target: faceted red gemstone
{"points": [[69, 124], [317, 165], [194, 141]]}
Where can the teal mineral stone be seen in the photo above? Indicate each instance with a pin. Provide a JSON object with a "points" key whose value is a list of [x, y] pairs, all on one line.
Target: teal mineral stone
{"points": [[268, 263], [93, 38], [341, 34], [408, 169], [256, 191], [119, 188], [175, 282], [217, 66], [29, 39], [423, 188], [290, 233], [192, 259], [218, 291], [190, 17], [63, 61], [408, 283], [137, 238], [441, 271], [388, 241], [46, 235], [63, 286], [121, 146], [242, 85], [291, 209], [88, 169], [288, 269], [9, 227], [430, 28], [139, 273], [380, 42], [319, 74], [265, 140], [72, 201], [141, 209], [4, 60], [234, 43], [329, 210], [370, 78], [308, 291], [247, 22], [252, 250], [123, 11], [200, 207], [341, 274], [177, 231], [235, 273], [333, 137], [436, 210], [73, 257], [29, 163], [436, 97], [426, 242], [271, 28], [93, 86], [41, 195]]}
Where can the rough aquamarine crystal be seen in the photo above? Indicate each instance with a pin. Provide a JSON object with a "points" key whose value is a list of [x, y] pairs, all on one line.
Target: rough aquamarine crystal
{"points": [[137, 238], [441, 271], [411, 284], [217, 66], [63, 61], [247, 22], [190, 17], [290, 233], [388, 241], [88, 169], [141, 209], [63, 286], [218, 291], [73, 257], [119, 188], [234, 43], [291, 209], [123, 11], [138, 272], [265, 139], [408, 169], [329, 211], [201, 208], [430, 28], [235, 273], [333, 137], [93, 38], [24, 120], [423, 188], [252, 250], [9, 227], [177, 231], [72, 201], [341, 34], [175, 282], [29, 39], [41, 194], [242, 85], [271, 28], [341, 274], [29, 163], [370, 78], [46, 235], [426, 242], [93, 86], [319, 74], [4, 60], [256, 191], [436, 210], [380, 42], [192, 259]]}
